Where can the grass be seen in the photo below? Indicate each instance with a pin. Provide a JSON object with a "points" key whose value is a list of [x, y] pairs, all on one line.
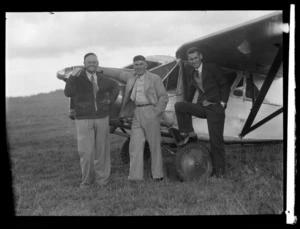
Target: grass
{"points": [[46, 173]]}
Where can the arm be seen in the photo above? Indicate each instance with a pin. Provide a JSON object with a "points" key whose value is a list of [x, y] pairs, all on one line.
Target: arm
{"points": [[223, 84], [162, 95], [119, 74], [71, 87]]}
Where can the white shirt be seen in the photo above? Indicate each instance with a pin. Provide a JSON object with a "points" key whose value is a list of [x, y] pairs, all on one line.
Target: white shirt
{"points": [[197, 78], [89, 75], [200, 68], [138, 92]]}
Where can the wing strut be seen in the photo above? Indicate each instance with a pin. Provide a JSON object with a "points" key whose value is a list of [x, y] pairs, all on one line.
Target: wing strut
{"points": [[252, 89], [261, 96]]}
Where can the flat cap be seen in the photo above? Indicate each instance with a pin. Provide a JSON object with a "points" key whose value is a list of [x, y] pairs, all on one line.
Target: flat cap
{"points": [[139, 57]]}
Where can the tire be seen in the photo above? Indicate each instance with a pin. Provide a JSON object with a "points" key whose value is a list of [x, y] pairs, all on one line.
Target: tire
{"points": [[124, 151], [192, 162]]}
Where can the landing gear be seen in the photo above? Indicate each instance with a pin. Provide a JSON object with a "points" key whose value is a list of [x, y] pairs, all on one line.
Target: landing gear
{"points": [[193, 161]]}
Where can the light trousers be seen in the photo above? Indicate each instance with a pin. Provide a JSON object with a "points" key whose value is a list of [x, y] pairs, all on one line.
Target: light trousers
{"points": [[94, 150], [145, 126]]}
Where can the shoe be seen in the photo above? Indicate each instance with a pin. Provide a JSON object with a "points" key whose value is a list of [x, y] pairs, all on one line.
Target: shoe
{"points": [[187, 140], [136, 182], [157, 179], [220, 174]]}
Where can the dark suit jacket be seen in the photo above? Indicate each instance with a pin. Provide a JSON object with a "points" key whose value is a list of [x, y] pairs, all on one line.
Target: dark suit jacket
{"points": [[216, 87], [81, 89]]}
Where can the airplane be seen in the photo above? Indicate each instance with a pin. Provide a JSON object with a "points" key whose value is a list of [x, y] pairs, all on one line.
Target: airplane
{"points": [[250, 55]]}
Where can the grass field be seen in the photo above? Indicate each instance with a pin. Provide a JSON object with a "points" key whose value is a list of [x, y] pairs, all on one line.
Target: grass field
{"points": [[46, 173]]}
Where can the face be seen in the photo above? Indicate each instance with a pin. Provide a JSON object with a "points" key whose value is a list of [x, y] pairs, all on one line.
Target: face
{"points": [[195, 59], [140, 67], [91, 63]]}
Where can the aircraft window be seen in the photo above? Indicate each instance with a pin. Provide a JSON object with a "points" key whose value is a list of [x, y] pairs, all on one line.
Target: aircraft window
{"points": [[249, 91], [171, 82], [150, 65], [230, 77], [238, 92]]}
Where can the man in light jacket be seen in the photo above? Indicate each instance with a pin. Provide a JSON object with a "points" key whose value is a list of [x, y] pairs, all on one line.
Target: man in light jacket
{"points": [[147, 93]]}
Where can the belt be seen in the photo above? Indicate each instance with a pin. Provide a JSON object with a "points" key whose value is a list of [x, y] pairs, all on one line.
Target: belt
{"points": [[143, 105]]}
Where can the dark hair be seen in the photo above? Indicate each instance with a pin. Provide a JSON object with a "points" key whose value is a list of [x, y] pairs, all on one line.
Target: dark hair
{"points": [[139, 57], [89, 54], [192, 50]]}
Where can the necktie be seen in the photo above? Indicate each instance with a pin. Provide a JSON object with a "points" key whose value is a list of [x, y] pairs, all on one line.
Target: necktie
{"points": [[133, 93], [200, 80], [95, 89], [95, 86]]}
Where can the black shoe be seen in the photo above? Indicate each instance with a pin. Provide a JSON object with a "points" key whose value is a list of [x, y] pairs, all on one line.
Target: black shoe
{"points": [[219, 174], [187, 140], [156, 179]]}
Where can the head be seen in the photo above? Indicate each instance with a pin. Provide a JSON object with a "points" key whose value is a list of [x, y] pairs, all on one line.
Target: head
{"points": [[90, 62], [194, 56], [139, 65]]}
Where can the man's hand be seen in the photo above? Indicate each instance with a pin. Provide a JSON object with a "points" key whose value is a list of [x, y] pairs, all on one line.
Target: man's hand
{"points": [[76, 72], [224, 105]]}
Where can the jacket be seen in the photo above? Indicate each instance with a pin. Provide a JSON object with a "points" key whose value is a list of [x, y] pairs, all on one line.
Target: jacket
{"points": [[155, 92], [81, 88], [215, 85]]}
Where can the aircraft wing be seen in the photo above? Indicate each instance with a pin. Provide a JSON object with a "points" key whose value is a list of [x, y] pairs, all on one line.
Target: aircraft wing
{"points": [[250, 46]]}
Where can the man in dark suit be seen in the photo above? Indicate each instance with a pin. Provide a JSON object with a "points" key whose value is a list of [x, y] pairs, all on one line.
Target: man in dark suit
{"points": [[146, 95], [211, 104]]}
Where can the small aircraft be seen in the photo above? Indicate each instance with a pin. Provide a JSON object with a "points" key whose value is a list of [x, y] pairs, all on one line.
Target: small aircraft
{"points": [[250, 56]]}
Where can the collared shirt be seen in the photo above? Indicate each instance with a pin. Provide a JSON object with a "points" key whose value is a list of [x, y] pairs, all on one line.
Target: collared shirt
{"points": [[197, 77], [200, 68], [89, 75], [138, 91]]}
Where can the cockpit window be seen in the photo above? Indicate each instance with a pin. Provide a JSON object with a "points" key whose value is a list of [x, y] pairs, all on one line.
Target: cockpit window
{"points": [[150, 65], [170, 82], [238, 90], [230, 77], [251, 89]]}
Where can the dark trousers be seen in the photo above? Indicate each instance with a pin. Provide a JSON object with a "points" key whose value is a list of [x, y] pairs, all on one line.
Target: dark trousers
{"points": [[215, 115]]}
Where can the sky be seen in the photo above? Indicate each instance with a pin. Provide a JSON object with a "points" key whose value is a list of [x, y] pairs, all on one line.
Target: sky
{"points": [[38, 44]]}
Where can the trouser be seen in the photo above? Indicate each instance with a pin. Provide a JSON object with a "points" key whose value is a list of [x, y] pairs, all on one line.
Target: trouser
{"points": [[94, 150], [215, 115], [145, 126]]}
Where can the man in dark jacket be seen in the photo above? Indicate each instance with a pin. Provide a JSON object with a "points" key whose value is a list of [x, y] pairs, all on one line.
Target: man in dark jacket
{"points": [[93, 95], [213, 91]]}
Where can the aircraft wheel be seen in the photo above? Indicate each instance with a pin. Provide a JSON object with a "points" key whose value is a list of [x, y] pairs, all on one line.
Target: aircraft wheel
{"points": [[193, 161], [124, 151]]}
